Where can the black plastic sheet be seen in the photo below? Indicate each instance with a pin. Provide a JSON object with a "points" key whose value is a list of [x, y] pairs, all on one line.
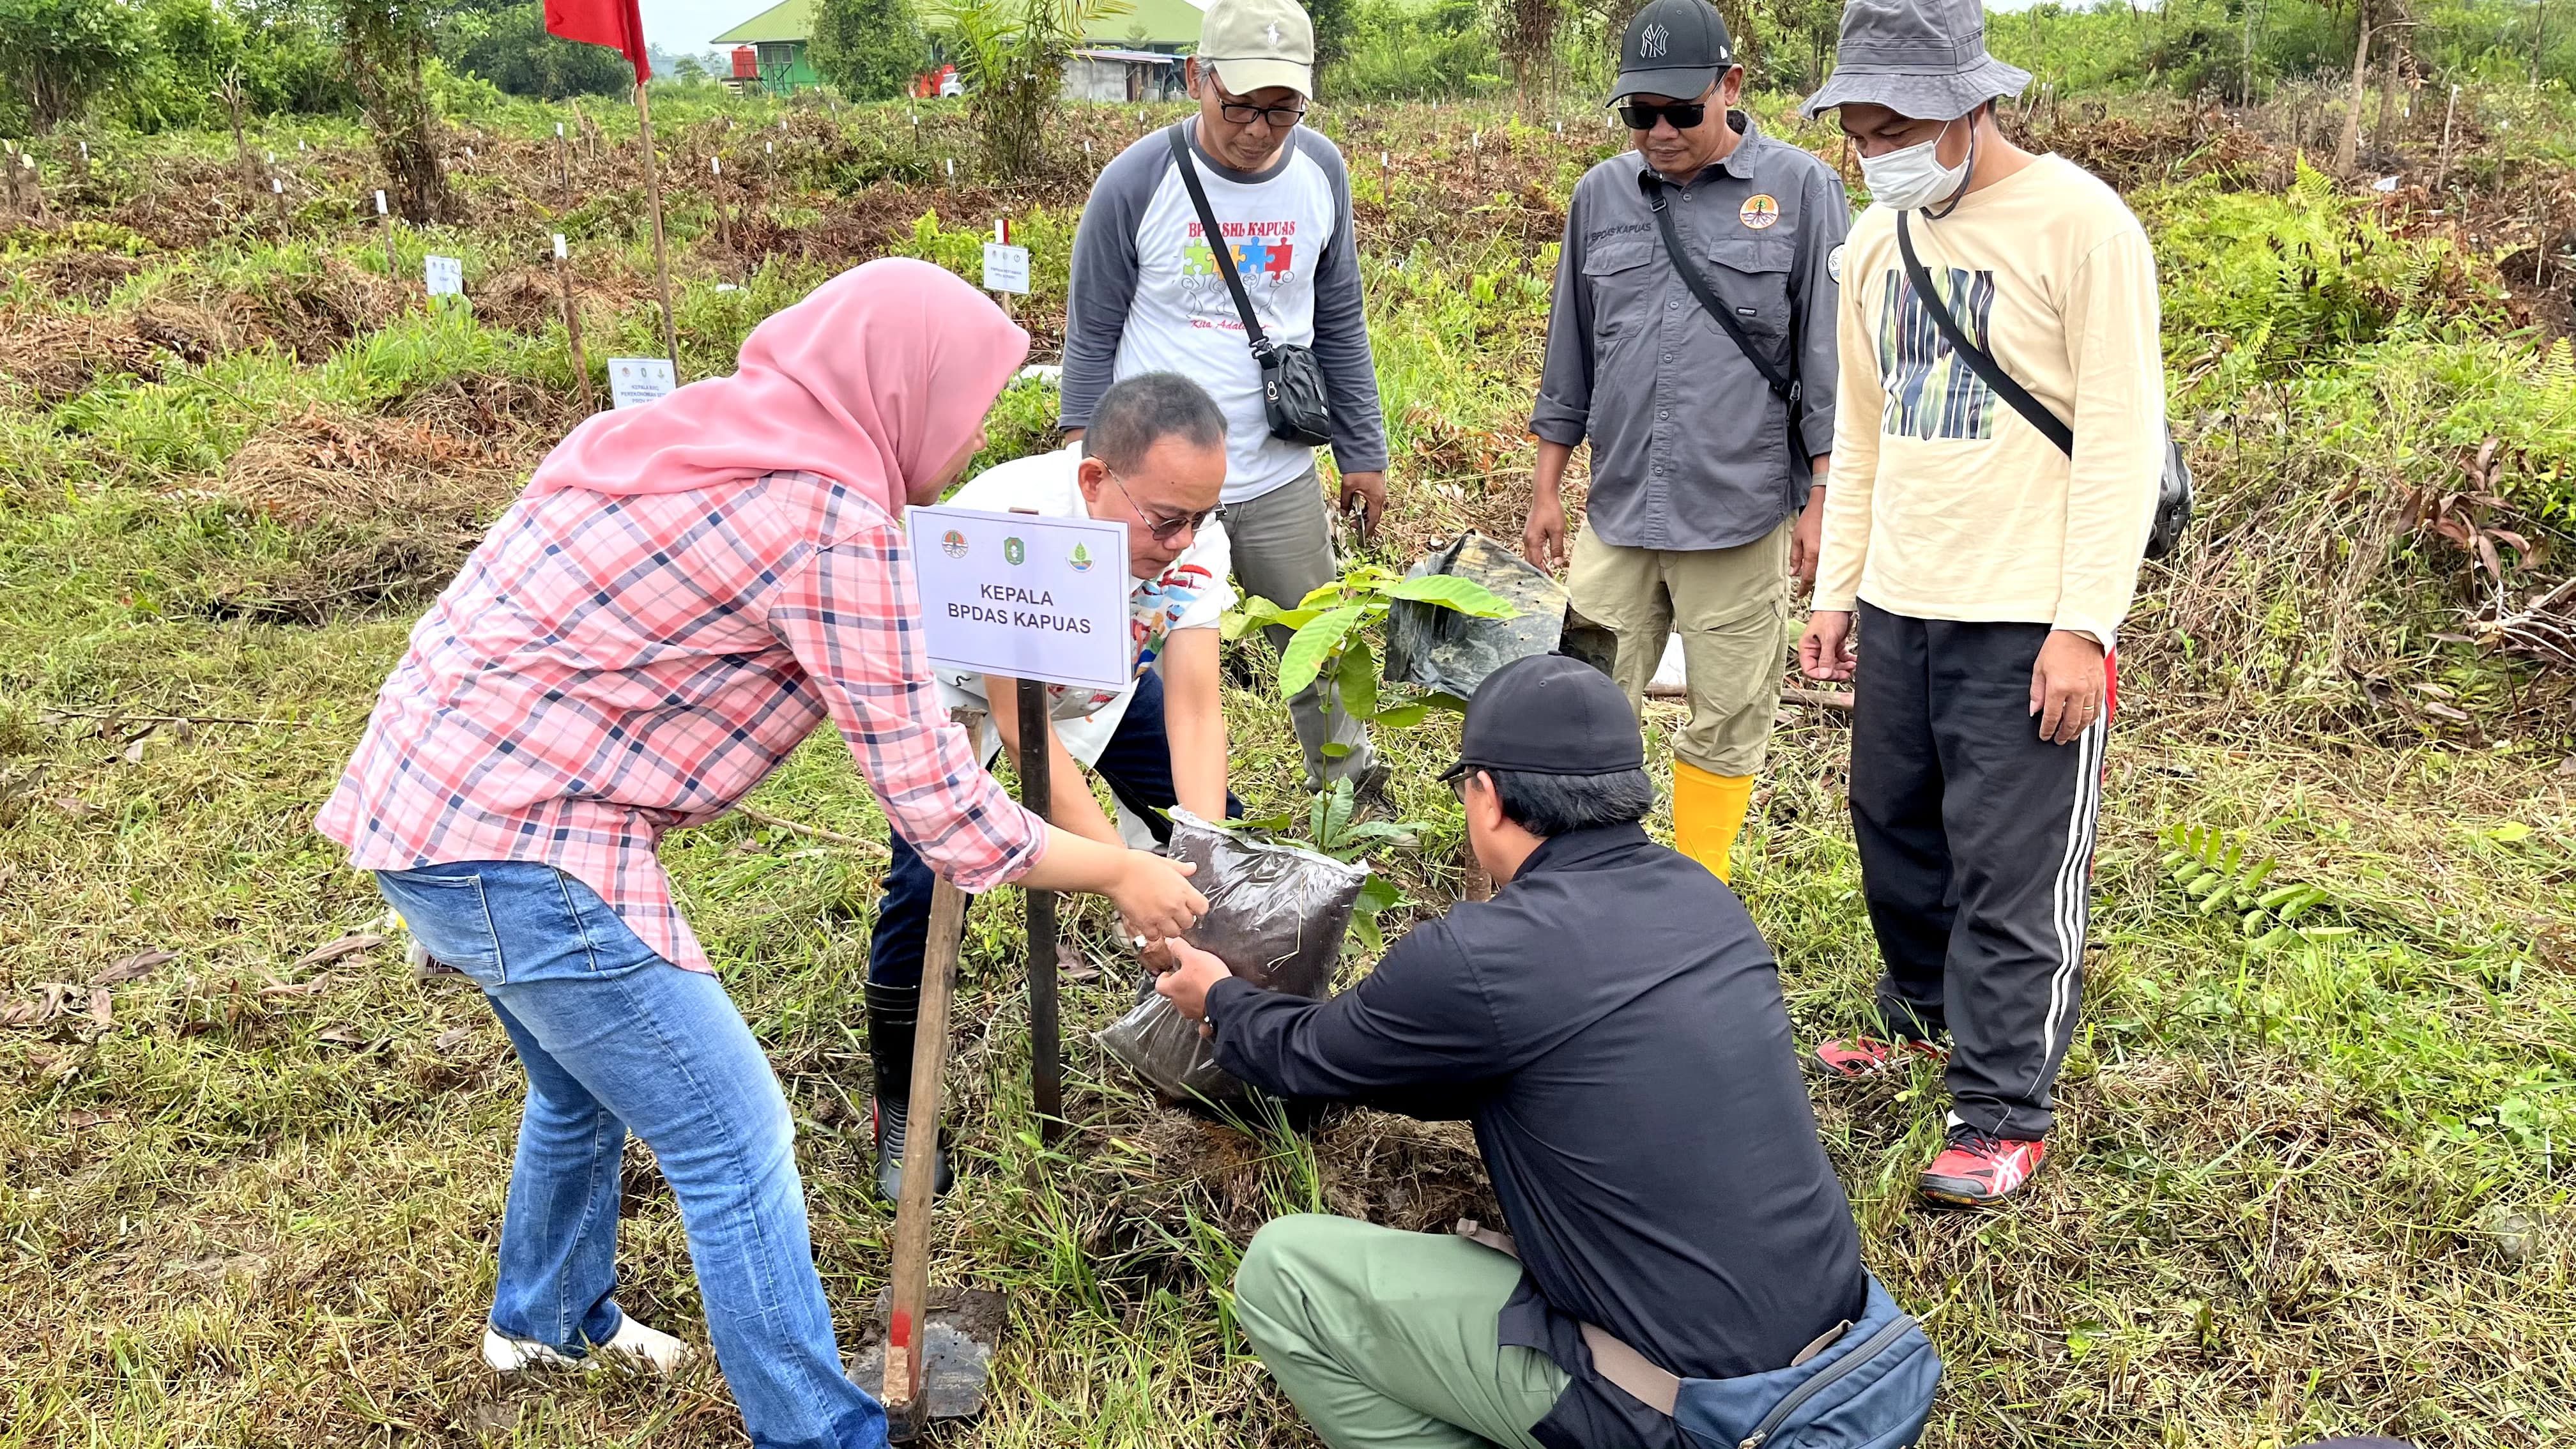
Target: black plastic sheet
{"points": [[1442, 649]]}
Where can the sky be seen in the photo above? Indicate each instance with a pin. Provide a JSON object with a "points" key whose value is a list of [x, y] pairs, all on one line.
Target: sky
{"points": [[683, 26]]}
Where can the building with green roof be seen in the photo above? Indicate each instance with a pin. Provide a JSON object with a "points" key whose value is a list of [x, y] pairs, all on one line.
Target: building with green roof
{"points": [[780, 35]]}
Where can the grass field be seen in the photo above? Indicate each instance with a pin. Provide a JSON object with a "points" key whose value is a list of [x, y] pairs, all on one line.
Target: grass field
{"points": [[250, 1198]]}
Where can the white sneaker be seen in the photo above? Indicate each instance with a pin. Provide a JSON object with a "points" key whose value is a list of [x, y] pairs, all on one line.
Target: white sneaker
{"points": [[648, 1349]]}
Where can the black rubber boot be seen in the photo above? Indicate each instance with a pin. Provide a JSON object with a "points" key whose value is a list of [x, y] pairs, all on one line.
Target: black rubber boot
{"points": [[892, 1014]]}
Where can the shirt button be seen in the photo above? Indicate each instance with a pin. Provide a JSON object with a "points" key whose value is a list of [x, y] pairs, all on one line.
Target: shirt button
{"points": [[1668, 357], [1663, 412], [1670, 304]]}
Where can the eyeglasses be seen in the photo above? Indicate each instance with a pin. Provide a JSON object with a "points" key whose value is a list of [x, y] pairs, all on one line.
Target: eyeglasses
{"points": [[1683, 114], [1165, 530], [1243, 113]]}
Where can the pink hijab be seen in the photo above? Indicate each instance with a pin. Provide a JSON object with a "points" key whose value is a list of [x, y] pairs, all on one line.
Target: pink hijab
{"points": [[874, 380]]}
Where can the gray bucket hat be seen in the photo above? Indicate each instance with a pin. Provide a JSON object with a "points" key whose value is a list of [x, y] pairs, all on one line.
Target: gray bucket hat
{"points": [[1923, 59]]}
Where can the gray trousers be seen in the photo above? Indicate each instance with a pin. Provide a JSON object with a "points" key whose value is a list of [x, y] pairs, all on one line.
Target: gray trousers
{"points": [[1283, 547]]}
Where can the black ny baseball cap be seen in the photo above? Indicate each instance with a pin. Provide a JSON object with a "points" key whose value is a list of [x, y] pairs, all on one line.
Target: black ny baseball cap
{"points": [[1675, 48], [1549, 715]]}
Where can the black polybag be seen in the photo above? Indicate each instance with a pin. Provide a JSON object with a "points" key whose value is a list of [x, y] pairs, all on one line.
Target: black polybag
{"points": [[1276, 917], [1442, 649]]}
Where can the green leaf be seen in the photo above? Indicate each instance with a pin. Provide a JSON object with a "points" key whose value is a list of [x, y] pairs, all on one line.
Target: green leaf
{"points": [[1334, 750], [1364, 925], [1338, 806], [1266, 822], [1441, 699], [1313, 646], [1451, 592], [1356, 681], [1378, 894], [1402, 717], [1322, 594]]}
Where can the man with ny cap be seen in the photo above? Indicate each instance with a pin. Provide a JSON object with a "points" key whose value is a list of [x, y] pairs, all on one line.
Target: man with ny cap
{"points": [[1692, 342], [1150, 293], [1986, 567], [1611, 1022]]}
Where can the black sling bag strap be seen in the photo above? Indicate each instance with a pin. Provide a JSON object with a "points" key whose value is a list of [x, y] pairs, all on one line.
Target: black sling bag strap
{"points": [[2173, 485], [1783, 386], [1292, 381], [2033, 411]]}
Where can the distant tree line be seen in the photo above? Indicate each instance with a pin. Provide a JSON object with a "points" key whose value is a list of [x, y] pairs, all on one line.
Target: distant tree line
{"points": [[161, 63]]}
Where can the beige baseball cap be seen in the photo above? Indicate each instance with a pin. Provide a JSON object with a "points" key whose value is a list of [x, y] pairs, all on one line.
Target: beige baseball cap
{"points": [[1257, 44]]}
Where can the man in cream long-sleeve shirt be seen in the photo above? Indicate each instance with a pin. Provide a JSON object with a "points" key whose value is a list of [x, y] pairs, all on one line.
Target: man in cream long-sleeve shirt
{"points": [[1988, 569]]}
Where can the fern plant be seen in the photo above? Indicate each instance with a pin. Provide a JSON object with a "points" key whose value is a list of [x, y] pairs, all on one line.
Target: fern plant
{"points": [[2223, 876]]}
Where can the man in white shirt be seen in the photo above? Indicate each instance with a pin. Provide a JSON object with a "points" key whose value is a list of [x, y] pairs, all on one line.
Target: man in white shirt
{"points": [[1154, 459], [1150, 295]]}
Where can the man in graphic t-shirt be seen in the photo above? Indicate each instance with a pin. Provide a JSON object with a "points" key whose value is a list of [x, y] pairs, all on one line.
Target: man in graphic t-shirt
{"points": [[1989, 570], [1150, 295], [1154, 459]]}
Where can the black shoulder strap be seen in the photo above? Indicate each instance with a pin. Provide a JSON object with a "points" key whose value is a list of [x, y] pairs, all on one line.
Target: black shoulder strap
{"points": [[1718, 311], [2033, 411], [1215, 237]]}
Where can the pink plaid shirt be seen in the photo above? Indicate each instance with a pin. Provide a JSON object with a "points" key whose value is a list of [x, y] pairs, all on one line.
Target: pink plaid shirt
{"points": [[605, 669]]}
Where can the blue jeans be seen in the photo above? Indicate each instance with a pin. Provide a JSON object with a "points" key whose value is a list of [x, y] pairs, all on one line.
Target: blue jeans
{"points": [[616, 1038], [1136, 764]]}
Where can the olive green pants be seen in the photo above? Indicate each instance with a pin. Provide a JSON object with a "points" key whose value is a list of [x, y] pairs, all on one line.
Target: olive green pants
{"points": [[1731, 607], [1385, 1339]]}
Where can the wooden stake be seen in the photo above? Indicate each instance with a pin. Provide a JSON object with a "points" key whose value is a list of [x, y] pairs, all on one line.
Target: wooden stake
{"points": [[241, 145], [2442, 168], [277, 188], [385, 220], [906, 1325], [661, 253], [1046, 1060], [572, 326], [36, 184], [563, 166]]}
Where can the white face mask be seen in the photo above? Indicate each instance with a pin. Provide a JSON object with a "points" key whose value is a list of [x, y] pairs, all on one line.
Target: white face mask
{"points": [[1914, 178]]}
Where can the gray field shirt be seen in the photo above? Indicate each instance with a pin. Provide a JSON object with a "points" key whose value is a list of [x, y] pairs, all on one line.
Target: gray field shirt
{"points": [[1690, 447], [1148, 297]]}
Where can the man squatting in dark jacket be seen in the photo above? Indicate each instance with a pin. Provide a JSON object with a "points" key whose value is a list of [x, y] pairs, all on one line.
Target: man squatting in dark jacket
{"points": [[1611, 1022]]}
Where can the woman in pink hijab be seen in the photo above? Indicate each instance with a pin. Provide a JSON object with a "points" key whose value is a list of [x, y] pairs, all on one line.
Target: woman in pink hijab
{"points": [[682, 594]]}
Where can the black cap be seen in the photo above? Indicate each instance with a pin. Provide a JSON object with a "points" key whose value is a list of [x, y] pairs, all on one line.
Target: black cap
{"points": [[1549, 715], [1675, 48]]}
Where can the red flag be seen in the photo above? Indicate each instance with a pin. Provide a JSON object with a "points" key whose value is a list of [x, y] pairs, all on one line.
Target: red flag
{"points": [[617, 24]]}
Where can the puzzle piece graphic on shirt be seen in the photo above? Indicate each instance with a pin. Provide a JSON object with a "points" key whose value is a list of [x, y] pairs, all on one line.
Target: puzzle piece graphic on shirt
{"points": [[1282, 257], [1198, 260], [1251, 256]]}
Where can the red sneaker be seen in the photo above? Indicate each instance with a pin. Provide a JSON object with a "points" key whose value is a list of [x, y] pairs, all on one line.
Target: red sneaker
{"points": [[1867, 1056], [1976, 1171]]}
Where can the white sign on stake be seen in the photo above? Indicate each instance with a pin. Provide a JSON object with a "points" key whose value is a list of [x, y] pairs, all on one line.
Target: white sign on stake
{"points": [[952, 168], [380, 203], [560, 253], [277, 185], [1024, 597], [1006, 268], [635, 381], [444, 276]]}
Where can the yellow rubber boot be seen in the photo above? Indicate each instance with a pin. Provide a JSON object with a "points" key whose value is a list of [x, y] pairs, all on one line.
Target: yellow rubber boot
{"points": [[1708, 813]]}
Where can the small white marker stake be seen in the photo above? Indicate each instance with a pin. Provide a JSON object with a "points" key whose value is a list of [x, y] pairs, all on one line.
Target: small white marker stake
{"points": [[272, 158], [276, 185], [716, 165], [380, 203], [560, 253], [952, 168], [769, 148]]}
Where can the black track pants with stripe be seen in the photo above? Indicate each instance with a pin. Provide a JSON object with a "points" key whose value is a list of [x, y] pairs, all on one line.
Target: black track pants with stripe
{"points": [[1976, 856]]}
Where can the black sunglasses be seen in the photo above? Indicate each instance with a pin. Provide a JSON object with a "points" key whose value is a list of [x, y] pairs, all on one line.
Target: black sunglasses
{"points": [[1683, 114], [1242, 113]]}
